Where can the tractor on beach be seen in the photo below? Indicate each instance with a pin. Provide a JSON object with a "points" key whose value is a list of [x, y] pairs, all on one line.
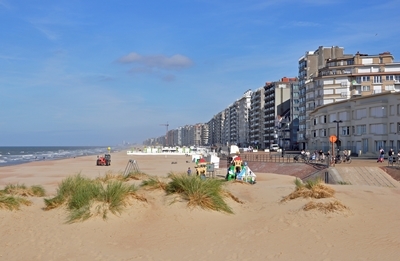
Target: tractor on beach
{"points": [[104, 160]]}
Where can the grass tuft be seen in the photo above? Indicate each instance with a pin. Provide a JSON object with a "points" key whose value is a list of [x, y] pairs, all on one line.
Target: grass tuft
{"points": [[207, 194], [13, 202], [154, 183], [311, 189], [85, 198], [325, 207], [136, 175], [24, 191]]}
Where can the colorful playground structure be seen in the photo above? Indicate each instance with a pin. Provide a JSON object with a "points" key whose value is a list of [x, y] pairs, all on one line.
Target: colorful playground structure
{"points": [[238, 170], [201, 167]]}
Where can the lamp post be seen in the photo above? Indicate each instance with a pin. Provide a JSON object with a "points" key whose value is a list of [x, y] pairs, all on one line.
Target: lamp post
{"points": [[338, 142]]}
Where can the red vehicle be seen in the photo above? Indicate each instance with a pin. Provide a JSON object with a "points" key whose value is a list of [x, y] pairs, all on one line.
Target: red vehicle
{"points": [[104, 161]]}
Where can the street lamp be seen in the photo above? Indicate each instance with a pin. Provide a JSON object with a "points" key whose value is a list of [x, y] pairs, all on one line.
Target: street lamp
{"points": [[338, 142]]}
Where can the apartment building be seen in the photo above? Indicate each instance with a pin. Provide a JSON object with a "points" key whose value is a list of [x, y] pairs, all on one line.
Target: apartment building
{"points": [[215, 126], [330, 76], [243, 109], [256, 119], [364, 124], [204, 136], [277, 112], [294, 115], [309, 64], [236, 122]]}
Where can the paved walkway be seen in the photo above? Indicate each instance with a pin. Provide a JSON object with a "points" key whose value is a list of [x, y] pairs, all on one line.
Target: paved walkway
{"points": [[365, 172]]}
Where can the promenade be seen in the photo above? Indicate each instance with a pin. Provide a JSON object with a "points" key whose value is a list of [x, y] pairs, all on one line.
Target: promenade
{"points": [[367, 172], [361, 171]]}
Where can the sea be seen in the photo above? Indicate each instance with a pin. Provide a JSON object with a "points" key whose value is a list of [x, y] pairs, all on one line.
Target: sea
{"points": [[20, 155]]}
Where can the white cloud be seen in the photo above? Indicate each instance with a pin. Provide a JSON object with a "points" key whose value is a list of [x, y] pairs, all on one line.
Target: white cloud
{"points": [[174, 62], [305, 24]]}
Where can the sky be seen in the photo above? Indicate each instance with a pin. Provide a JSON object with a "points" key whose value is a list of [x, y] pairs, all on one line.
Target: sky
{"points": [[87, 73]]}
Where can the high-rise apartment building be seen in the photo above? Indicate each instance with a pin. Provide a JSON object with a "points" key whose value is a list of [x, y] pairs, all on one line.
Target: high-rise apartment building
{"points": [[243, 108], [309, 64], [294, 114], [256, 119], [215, 127], [277, 111], [327, 75]]}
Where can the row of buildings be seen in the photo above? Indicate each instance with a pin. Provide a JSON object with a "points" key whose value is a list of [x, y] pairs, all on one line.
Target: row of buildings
{"points": [[353, 96]]}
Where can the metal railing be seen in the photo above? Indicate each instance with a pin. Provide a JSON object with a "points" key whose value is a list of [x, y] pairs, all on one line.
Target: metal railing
{"points": [[276, 158]]}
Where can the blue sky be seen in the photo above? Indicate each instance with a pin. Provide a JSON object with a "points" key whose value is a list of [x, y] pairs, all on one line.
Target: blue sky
{"points": [[102, 72]]}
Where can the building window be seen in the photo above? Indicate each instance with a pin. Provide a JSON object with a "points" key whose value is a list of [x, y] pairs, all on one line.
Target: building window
{"points": [[389, 88], [392, 110], [344, 115], [359, 114], [377, 79], [397, 78], [323, 133], [378, 128], [361, 129], [365, 79], [398, 129], [389, 77], [365, 88], [380, 144], [345, 131], [392, 128], [377, 112]]}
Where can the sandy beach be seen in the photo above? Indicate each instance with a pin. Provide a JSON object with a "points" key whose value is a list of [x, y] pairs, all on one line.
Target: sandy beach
{"points": [[261, 228]]}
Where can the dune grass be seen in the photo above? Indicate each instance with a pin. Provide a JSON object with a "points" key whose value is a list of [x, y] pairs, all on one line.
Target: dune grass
{"points": [[13, 202], [136, 175], [153, 183], [325, 207], [310, 189], [22, 190], [207, 194], [84, 197], [315, 189], [12, 197]]}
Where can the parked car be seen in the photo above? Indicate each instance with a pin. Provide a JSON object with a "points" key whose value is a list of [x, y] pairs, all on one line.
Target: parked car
{"points": [[274, 147]]}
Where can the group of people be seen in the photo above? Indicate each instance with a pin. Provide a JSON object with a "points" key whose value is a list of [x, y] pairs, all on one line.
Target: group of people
{"points": [[316, 155], [391, 154]]}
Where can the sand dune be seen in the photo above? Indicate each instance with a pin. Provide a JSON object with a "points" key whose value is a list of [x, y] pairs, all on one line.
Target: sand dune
{"points": [[262, 228]]}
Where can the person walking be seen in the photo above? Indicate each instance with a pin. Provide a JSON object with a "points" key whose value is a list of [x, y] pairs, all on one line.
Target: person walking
{"points": [[381, 155], [391, 156], [189, 172]]}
